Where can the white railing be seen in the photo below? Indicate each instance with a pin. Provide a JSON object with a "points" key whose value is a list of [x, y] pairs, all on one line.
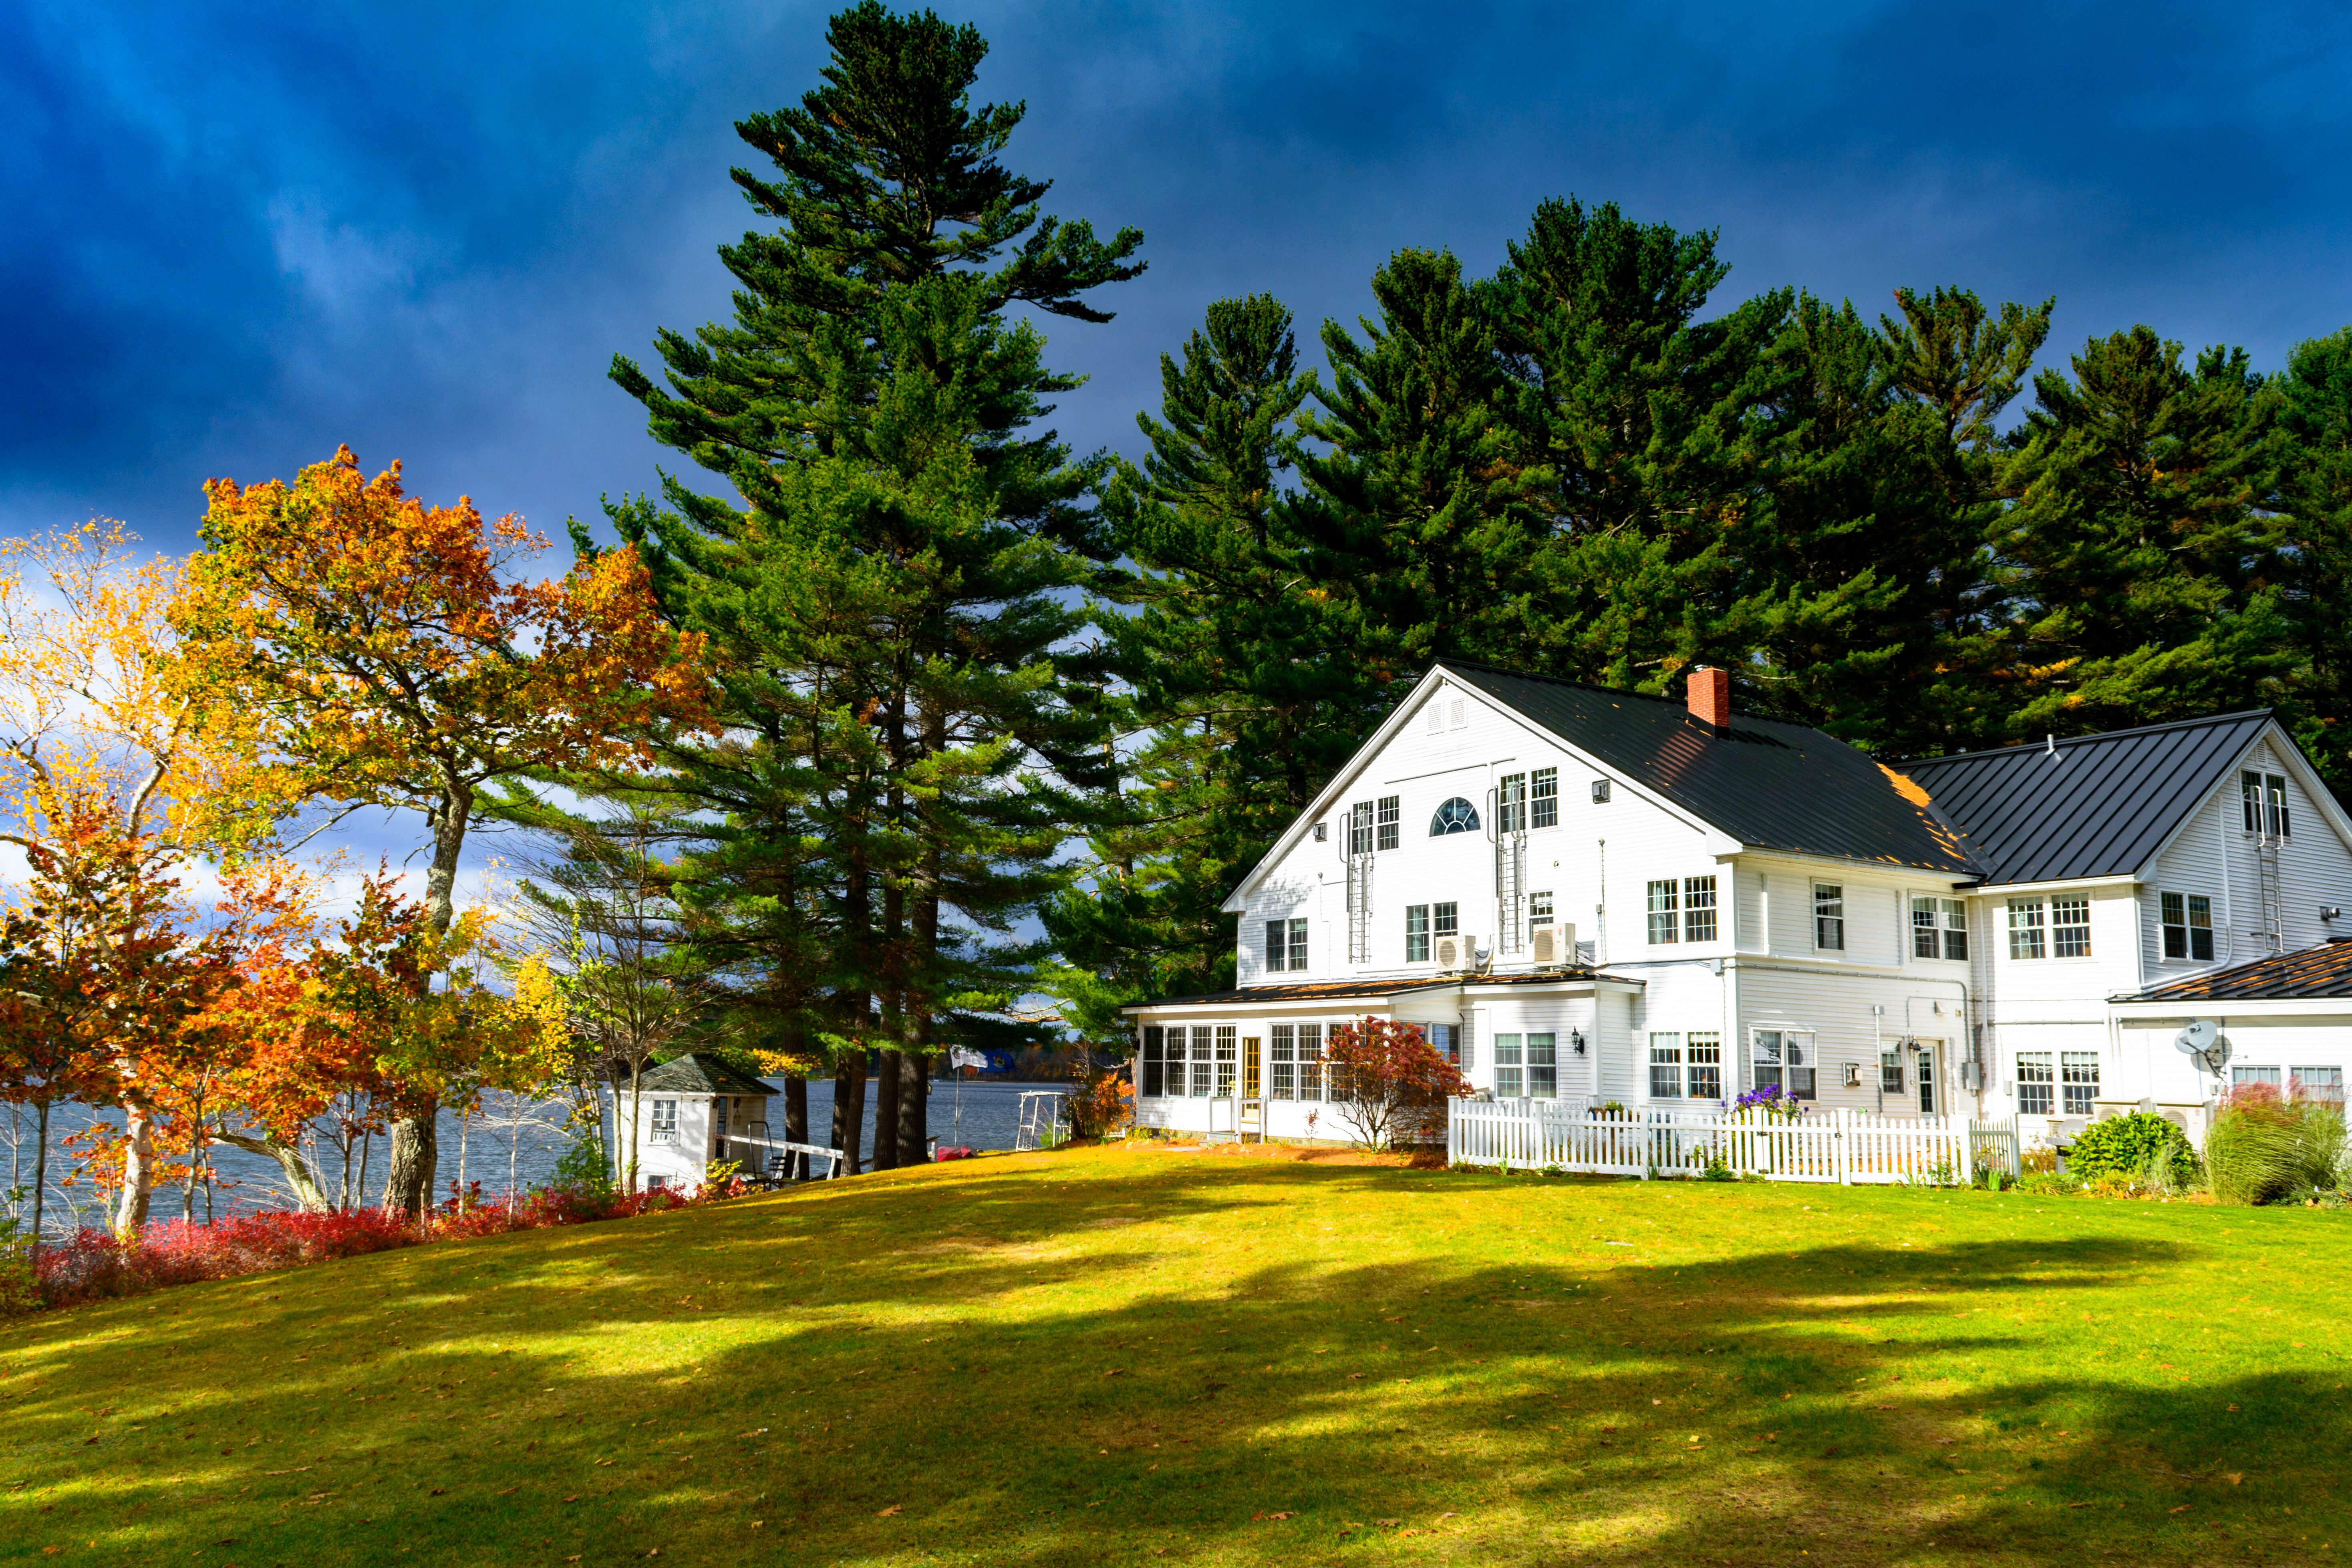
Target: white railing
{"points": [[1841, 1146]]}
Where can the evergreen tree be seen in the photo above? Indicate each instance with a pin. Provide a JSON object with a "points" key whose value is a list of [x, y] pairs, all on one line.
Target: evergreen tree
{"points": [[891, 597], [1236, 667], [2141, 554], [2316, 422]]}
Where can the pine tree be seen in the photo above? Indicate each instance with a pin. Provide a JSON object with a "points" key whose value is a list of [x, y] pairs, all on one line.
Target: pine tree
{"points": [[894, 593], [2316, 422], [2142, 552], [1234, 665]]}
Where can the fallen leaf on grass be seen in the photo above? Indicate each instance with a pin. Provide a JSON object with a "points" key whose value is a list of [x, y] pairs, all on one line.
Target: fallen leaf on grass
{"points": [[604, 1461], [1115, 1372], [2235, 1478], [2184, 1507], [1387, 1523], [573, 1498], [887, 1512]]}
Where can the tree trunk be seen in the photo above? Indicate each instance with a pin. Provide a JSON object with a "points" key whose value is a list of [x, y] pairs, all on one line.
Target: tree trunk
{"points": [[795, 1123], [887, 1091], [849, 1108], [637, 1116], [40, 1185], [308, 1187], [137, 1170], [410, 1166], [914, 1109]]}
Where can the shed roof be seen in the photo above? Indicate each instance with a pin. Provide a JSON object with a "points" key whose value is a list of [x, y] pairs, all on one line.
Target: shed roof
{"points": [[701, 1072], [2322, 971], [1768, 783], [2094, 806]]}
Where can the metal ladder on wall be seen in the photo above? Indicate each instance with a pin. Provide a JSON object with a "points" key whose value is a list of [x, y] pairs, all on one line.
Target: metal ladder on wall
{"points": [[1510, 891], [2267, 870], [1360, 907]]}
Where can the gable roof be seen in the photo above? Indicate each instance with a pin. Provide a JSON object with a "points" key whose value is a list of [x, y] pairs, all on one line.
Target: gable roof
{"points": [[1768, 784], [2322, 971], [2094, 806], [699, 1072]]}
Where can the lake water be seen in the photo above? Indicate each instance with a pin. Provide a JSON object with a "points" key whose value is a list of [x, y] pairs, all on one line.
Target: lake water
{"points": [[524, 1138]]}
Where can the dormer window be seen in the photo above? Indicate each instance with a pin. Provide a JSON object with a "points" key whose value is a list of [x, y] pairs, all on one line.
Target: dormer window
{"points": [[1456, 816]]}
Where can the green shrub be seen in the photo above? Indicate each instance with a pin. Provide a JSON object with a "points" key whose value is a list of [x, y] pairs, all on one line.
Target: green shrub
{"points": [[2142, 1146], [2049, 1184], [2265, 1150]]}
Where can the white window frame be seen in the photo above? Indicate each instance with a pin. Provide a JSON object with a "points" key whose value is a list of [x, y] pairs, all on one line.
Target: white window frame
{"points": [[1228, 1058], [1445, 918], [1793, 1051], [1829, 917], [2078, 1082], [1665, 1064], [1943, 922], [1543, 798], [1703, 1065], [1388, 827], [1510, 1065], [2058, 948], [2264, 797], [1662, 902], [2186, 926], [1416, 937], [1282, 1061], [1151, 1077], [1205, 1052], [1310, 1061], [1511, 804], [2298, 1083], [1542, 1051], [1539, 908], [1700, 921], [2036, 1080], [2028, 937], [662, 1125]]}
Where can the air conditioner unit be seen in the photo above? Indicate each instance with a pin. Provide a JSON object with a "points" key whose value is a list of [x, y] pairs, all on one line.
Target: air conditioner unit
{"points": [[1450, 949], [1546, 945]]}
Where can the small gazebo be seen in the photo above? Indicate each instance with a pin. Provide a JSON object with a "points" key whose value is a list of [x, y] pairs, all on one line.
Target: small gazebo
{"points": [[693, 1111]]}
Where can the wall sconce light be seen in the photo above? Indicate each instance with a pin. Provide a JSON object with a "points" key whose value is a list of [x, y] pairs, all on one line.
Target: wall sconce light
{"points": [[1576, 1041]]}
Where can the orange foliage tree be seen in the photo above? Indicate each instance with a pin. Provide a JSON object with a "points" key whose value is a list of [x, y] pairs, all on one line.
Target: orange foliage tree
{"points": [[1390, 1083], [394, 658]]}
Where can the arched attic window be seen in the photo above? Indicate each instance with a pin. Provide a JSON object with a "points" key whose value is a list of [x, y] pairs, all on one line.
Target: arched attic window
{"points": [[1456, 816]]}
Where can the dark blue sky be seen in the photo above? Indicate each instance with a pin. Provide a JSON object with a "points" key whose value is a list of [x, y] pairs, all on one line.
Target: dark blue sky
{"points": [[236, 235]]}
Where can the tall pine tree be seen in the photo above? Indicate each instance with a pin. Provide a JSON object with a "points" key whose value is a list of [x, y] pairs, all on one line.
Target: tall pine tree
{"points": [[893, 592]]}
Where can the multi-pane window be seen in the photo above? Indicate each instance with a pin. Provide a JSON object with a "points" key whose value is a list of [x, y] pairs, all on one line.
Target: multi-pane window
{"points": [[1359, 828], [1784, 1059], [1510, 1068], [1174, 1087], [1282, 1062], [1666, 904], [665, 1121], [1387, 825], [1310, 1061], [1703, 1066], [1829, 917], [1540, 909], [1454, 816], [1154, 1083], [2323, 1084], [2187, 925], [2264, 797], [1445, 920], [1416, 933], [1226, 1057], [1543, 1067], [2025, 931], [1285, 944], [1698, 909], [2034, 1084], [1666, 1065], [1445, 1040], [2246, 1077], [1205, 1052], [1940, 928], [2070, 927], [1511, 804], [1543, 798], [2078, 1080], [1890, 1072]]}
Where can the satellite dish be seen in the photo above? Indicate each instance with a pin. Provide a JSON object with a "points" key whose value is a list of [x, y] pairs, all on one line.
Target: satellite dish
{"points": [[2200, 1037]]}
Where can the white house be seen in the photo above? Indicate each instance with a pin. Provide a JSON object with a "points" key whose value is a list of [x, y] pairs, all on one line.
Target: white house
{"points": [[1592, 894], [689, 1112]]}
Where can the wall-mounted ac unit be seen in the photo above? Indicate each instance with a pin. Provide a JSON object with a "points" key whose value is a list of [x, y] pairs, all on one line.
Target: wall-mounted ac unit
{"points": [[1546, 945], [1450, 949]]}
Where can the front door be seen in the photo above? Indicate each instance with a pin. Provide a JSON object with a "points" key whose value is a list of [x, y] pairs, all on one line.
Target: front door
{"points": [[1928, 1078]]}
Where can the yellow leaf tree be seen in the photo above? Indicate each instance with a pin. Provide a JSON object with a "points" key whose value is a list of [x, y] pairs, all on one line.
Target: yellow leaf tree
{"points": [[396, 658]]}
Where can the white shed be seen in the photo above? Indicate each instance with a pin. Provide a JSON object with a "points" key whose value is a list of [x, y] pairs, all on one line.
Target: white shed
{"points": [[690, 1113]]}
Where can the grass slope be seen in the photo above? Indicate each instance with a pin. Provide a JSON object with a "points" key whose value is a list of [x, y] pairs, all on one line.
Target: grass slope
{"points": [[1138, 1355]]}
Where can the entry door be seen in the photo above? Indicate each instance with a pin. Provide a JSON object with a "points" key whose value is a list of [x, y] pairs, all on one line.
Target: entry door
{"points": [[1927, 1050], [1251, 1056]]}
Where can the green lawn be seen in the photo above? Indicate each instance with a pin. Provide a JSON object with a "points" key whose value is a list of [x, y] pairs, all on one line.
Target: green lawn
{"points": [[1145, 1355]]}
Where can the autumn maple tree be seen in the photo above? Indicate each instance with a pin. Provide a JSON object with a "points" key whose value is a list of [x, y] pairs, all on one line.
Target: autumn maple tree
{"points": [[396, 658], [1389, 1083]]}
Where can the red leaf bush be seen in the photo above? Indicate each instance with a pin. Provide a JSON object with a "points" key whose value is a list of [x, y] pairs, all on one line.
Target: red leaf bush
{"points": [[93, 1265]]}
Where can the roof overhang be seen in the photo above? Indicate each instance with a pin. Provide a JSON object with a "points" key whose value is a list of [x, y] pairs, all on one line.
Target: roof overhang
{"points": [[2138, 1010], [2125, 879]]}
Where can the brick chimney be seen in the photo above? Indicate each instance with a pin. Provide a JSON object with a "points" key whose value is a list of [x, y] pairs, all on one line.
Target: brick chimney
{"points": [[1710, 697]]}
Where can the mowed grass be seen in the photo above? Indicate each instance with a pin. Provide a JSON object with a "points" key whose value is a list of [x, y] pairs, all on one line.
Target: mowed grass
{"points": [[1141, 1355]]}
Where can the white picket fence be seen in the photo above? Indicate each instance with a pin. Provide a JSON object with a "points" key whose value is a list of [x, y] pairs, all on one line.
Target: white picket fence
{"points": [[1841, 1146]]}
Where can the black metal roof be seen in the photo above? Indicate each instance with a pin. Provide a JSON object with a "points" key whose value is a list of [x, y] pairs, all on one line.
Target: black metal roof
{"points": [[699, 1072], [2094, 806], [1767, 783], [1367, 990], [2323, 971]]}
